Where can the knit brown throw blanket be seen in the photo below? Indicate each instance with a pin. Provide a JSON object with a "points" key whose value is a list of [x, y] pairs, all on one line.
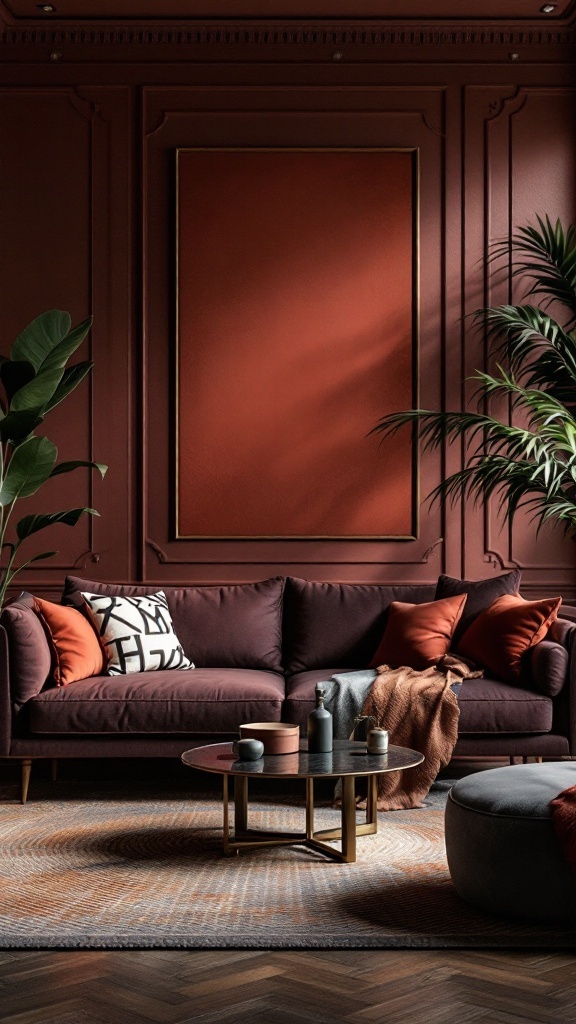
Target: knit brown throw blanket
{"points": [[420, 711], [563, 809]]}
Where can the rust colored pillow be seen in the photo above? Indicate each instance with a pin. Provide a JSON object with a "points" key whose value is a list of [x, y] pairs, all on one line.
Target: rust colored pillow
{"points": [[418, 635], [75, 646], [505, 630]]}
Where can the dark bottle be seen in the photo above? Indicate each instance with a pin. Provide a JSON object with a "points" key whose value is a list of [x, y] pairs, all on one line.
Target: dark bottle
{"points": [[320, 726]]}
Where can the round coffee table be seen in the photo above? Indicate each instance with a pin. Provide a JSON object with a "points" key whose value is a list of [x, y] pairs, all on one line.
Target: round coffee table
{"points": [[347, 761]]}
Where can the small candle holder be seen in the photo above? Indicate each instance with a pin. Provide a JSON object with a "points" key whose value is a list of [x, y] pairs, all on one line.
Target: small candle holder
{"points": [[378, 741]]}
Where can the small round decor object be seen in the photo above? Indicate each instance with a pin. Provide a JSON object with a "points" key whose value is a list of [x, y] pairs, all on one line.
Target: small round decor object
{"points": [[277, 737], [248, 749], [378, 741]]}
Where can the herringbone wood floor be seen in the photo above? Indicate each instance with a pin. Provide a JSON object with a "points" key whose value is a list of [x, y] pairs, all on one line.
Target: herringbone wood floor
{"points": [[358, 987]]}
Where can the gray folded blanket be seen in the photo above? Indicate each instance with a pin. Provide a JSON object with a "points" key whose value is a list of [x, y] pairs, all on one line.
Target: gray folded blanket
{"points": [[345, 694]]}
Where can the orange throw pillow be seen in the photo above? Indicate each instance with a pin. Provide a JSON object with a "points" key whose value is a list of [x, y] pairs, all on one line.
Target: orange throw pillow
{"points": [[75, 646], [505, 630], [418, 635]]}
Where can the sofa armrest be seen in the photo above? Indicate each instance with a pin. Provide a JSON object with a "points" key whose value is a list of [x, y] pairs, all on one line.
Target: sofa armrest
{"points": [[572, 693], [561, 629], [5, 701], [567, 611], [548, 667]]}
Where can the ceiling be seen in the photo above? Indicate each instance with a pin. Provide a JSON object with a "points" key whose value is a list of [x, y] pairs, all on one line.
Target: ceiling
{"points": [[454, 11]]}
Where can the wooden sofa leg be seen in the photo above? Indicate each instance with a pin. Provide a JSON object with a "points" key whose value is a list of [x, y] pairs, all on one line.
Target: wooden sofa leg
{"points": [[539, 760], [54, 769], [26, 769]]}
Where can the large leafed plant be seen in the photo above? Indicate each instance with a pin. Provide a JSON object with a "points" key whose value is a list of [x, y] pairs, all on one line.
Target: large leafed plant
{"points": [[529, 460], [34, 379]]}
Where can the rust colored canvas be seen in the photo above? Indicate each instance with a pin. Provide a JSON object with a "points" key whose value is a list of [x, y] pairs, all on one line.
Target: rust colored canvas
{"points": [[296, 332]]}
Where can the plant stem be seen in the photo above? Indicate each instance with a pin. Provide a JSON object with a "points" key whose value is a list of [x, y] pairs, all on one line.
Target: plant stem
{"points": [[7, 576]]}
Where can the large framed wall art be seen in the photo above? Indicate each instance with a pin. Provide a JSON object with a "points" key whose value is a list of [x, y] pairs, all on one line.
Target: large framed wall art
{"points": [[297, 329]]}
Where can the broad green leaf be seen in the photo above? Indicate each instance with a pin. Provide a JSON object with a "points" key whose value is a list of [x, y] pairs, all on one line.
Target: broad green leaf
{"points": [[14, 572], [17, 425], [67, 467], [38, 558], [39, 339], [60, 355], [30, 466], [70, 379], [37, 393], [35, 558], [32, 524]]}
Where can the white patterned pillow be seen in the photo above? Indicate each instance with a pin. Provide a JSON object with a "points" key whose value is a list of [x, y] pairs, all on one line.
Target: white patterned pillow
{"points": [[136, 633]]}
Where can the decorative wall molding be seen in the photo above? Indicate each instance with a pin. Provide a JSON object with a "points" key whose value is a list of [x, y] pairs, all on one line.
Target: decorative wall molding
{"points": [[274, 34], [498, 561], [430, 550]]}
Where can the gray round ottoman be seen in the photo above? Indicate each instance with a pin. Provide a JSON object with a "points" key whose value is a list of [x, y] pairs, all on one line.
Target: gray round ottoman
{"points": [[503, 854]]}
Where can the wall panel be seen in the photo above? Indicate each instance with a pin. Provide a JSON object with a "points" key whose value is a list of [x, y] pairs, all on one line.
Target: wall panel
{"points": [[64, 206], [527, 149], [385, 117]]}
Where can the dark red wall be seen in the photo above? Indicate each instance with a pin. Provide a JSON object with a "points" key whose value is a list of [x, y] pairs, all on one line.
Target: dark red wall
{"points": [[88, 127]]}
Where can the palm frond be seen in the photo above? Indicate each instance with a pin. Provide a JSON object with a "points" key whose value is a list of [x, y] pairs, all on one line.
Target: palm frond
{"points": [[432, 427], [547, 258], [541, 489], [535, 346], [531, 466]]}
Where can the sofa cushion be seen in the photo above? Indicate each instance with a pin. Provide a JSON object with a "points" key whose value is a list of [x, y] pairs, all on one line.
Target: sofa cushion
{"points": [[505, 631], [338, 623], [418, 635], [300, 695], [75, 647], [235, 626], [490, 706], [206, 700], [486, 705], [136, 633], [29, 653], [479, 595]]}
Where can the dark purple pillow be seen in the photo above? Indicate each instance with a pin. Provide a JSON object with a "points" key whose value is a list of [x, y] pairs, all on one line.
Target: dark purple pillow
{"points": [[480, 595], [29, 653], [338, 624], [235, 626]]}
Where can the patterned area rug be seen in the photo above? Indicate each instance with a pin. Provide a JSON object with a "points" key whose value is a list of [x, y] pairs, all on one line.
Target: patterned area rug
{"points": [[98, 869]]}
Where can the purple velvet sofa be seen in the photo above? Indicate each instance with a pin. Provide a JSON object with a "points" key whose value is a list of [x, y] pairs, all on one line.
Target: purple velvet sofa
{"points": [[259, 650]]}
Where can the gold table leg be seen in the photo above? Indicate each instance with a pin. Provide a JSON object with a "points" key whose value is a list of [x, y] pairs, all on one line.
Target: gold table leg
{"points": [[240, 803], [371, 806], [309, 808], [348, 820], [244, 837], [225, 821]]}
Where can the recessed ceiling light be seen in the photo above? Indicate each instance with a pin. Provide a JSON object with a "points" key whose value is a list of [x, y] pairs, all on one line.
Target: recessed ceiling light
{"points": [[548, 8], [47, 8]]}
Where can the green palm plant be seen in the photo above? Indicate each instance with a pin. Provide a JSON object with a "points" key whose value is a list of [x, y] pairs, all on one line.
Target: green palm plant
{"points": [[34, 379], [533, 465]]}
